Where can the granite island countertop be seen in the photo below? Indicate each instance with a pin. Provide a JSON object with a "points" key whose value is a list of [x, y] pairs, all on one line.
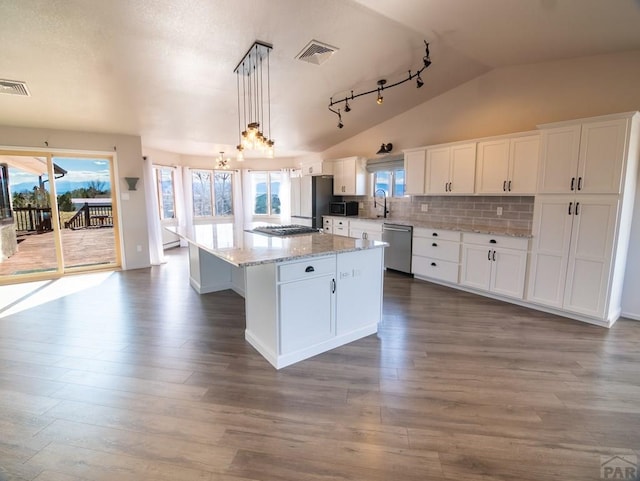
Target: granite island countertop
{"points": [[477, 229], [240, 247]]}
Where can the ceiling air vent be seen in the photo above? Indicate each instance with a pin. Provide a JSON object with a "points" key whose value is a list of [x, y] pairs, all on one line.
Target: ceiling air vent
{"points": [[14, 87], [316, 52]]}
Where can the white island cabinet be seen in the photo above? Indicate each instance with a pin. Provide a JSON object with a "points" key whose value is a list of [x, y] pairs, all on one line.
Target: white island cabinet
{"points": [[304, 294]]}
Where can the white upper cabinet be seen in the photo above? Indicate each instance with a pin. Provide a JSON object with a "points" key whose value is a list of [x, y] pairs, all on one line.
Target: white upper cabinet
{"points": [[508, 165], [316, 167], [414, 168], [450, 169], [349, 176], [586, 158]]}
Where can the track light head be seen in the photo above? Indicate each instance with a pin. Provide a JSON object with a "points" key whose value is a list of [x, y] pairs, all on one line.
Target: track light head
{"points": [[380, 98], [419, 82], [426, 60], [347, 107], [384, 148], [340, 124]]}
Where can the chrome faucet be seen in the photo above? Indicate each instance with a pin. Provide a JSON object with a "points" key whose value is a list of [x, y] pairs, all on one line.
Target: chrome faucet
{"points": [[384, 197]]}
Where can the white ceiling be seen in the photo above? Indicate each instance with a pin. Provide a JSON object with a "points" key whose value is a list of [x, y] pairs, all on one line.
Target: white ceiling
{"points": [[163, 69]]}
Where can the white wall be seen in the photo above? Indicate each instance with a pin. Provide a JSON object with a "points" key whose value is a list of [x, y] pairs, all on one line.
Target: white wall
{"points": [[516, 99], [128, 164]]}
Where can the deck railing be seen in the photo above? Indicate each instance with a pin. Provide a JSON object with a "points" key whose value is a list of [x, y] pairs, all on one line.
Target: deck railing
{"points": [[94, 215], [32, 219]]}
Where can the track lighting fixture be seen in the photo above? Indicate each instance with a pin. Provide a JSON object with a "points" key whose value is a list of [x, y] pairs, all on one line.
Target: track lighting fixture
{"points": [[426, 62], [384, 148]]}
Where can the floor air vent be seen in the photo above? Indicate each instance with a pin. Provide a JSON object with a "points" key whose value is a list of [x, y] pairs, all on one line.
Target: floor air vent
{"points": [[14, 87], [316, 52]]}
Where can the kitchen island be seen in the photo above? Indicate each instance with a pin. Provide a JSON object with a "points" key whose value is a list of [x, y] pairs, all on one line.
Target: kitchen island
{"points": [[304, 294]]}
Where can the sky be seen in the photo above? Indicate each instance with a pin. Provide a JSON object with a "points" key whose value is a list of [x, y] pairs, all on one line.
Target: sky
{"points": [[79, 171]]}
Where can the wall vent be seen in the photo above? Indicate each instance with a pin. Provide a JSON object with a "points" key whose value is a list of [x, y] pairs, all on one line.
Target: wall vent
{"points": [[316, 52], [14, 87]]}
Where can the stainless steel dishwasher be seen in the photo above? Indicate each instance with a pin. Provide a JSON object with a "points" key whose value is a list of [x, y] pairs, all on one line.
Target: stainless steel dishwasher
{"points": [[398, 255]]}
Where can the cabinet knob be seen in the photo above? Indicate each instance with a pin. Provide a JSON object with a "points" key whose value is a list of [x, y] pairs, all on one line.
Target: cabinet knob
{"points": [[433, 264], [309, 269], [493, 241], [434, 245], [435, 234]]}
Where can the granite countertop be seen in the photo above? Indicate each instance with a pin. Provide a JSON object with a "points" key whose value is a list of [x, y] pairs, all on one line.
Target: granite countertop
{"points": [[478, 229], [241, 248]]}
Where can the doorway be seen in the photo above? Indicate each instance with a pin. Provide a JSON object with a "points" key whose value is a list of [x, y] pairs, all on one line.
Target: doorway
{"points": [[58, 215]]}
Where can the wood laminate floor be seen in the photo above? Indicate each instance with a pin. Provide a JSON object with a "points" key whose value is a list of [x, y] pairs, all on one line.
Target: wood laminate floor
{"points": [[140, 378]]}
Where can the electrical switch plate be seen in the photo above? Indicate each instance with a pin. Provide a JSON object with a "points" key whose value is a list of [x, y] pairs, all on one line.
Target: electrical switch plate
{"points": [[499, 211], [360, 205], [424, 207]]}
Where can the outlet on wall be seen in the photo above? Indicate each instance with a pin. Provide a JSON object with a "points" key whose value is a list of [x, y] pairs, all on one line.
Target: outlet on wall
{"points": [[424, 207], [499, 211], [360, 205]]}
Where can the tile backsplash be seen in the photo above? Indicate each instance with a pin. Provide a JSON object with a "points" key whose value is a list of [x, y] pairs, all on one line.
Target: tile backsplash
{"points": [[475, 211]]}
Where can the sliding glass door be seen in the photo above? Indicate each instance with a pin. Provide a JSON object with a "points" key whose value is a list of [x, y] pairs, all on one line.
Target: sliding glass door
{"points": [[57, 215]]}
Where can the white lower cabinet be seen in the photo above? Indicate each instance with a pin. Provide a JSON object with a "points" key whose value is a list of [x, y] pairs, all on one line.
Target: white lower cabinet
{"points": [[297, 309], [359, 290], [494, 263], [571, 261], [327, 225], [364, 229], [306, 312], [436, 254], [340, 227]]}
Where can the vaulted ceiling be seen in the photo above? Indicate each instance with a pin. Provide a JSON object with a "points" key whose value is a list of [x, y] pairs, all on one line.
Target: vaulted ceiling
{"points": [[163, 69]]}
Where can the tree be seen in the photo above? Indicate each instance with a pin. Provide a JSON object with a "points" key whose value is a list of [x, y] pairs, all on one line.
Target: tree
{"points": [[64, 202]]}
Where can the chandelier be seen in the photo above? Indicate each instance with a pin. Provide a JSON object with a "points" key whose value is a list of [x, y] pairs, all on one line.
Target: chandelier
{"points": [[254, 107], [222, 162], [381, 85]]}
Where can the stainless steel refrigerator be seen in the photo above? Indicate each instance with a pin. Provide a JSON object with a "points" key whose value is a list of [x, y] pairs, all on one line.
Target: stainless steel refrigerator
{"points": [[310, 198]]}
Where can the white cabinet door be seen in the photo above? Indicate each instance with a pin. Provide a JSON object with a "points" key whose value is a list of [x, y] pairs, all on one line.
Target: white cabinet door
{"points": [[559, 160], [552, 222], [437, 170], [508, 272], [590, 256], [414, 167], [349, 176], [524, 155], [306, 312], [338, 178], [602, 148], [305, 196], [295, 196], [359, 290], [462, 176], [476, 266], [493, 167]]}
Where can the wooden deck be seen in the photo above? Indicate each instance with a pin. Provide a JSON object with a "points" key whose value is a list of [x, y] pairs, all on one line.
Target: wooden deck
{"points": [[85, 247]]}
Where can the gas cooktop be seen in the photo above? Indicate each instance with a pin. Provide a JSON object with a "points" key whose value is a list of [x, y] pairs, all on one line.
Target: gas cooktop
{"points": [[284, 230]]}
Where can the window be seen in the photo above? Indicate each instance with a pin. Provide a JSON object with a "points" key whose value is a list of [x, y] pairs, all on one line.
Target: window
{"points": [[212, 193], [391, 181], [265, 187], [5, 204], [166, 192]]}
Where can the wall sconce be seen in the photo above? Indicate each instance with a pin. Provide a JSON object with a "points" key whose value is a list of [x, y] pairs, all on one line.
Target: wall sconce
{"points": [[384, 149], [381, 85], [132, 182]]}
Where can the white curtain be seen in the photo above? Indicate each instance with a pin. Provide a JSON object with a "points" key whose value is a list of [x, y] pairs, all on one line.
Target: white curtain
{"points": [[285, 196], [187, 196], [247, 197], [181, 212], [236, 189], [156, 253]]}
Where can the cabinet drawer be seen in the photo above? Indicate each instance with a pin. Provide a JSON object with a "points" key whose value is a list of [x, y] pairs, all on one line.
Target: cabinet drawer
{"points": [[365, 225], [520, 243], [341, 230], [448, 235], [341, 223], [327, 221], [437, 249], [435, 268], [311, 267]]}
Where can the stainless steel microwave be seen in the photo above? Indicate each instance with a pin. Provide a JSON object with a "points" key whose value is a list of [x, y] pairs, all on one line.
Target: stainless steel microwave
{"points": [[343, 208]]}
